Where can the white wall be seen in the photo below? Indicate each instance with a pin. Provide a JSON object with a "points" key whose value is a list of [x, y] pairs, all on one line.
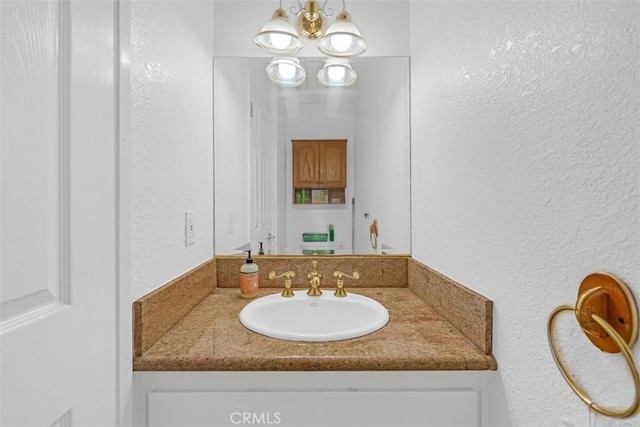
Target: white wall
{"points": [[231, 133], [526, 178], [172, 137]]}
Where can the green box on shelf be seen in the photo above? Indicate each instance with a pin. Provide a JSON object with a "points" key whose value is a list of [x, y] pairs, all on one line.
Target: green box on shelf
{"points": [[315, 237]]}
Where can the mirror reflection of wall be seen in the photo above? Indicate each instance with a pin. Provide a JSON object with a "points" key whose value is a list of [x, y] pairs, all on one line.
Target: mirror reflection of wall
{"points": [[254, 125]]}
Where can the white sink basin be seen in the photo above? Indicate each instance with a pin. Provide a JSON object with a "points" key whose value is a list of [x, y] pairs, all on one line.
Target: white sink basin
{"points": [[316, 319]]}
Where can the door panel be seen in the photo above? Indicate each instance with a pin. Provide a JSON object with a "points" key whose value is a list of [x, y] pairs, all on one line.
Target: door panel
{"points": [[305, 164], [58, 219], [263, 188], [333, 164], [33, 185]]}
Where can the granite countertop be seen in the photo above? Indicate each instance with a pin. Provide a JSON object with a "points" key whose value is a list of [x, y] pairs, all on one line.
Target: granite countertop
{"points": [[211, 337]]}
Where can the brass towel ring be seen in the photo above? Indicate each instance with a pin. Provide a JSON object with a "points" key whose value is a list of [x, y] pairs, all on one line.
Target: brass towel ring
{"points": [[373, 234], [597, 311]]}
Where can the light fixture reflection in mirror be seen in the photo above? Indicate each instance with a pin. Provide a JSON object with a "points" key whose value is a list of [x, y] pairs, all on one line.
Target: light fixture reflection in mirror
{"points": [[337, 72], [286, 72], [255, 199]]}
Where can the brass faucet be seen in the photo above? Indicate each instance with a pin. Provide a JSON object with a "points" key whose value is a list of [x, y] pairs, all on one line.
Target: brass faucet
{"points": [[314, 288], [286, 292], [340, 292]]}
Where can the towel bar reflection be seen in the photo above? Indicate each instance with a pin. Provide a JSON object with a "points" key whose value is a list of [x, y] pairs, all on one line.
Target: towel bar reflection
{"points": [[603, 300]]}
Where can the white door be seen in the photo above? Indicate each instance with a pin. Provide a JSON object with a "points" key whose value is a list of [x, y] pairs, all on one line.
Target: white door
{"points": [[263, 185], [58, 192]]}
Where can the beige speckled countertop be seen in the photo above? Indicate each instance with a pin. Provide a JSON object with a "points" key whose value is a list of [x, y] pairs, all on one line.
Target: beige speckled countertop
{"points": [[211, 337]]}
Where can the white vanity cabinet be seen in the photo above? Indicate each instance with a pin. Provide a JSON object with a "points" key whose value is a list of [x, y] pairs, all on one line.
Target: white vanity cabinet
{"points": [[305, 399]]}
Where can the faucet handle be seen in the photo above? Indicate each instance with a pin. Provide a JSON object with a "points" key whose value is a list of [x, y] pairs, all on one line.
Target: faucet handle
{"points": [[340, 292], [286, 292]]}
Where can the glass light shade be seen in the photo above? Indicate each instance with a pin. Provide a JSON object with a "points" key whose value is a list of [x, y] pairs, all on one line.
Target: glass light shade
{"points": [[286, 72], [278, 35], [337, 72], [342, 39]]}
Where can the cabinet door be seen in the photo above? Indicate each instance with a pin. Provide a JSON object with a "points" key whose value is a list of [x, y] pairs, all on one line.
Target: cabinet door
{"points": [[369, 408], [333, 164], [305, 164]]}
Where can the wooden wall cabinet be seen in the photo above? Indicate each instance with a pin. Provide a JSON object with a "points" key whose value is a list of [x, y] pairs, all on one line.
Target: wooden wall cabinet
{"points": [[320, 164]]}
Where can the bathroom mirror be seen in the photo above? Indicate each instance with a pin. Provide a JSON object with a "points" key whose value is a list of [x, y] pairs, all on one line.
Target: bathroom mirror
{"points": [[255, 122]]}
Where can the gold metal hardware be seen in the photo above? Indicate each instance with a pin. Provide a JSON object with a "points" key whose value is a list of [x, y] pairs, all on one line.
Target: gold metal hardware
{"points": [[608, 315], [373, 234], [340, 292], [311, 21], [280, 14], [286, 292], [314, 288]]}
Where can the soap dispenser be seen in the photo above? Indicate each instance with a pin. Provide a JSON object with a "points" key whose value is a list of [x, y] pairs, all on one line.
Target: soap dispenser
{"points": [[248, 278]]}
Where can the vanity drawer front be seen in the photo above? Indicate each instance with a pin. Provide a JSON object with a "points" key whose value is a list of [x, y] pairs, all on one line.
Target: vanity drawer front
{"points": [[437, 408]]}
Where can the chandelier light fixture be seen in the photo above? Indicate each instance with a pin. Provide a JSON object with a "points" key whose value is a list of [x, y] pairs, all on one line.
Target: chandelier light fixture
{"points": [[341, 40], [278, 35]]}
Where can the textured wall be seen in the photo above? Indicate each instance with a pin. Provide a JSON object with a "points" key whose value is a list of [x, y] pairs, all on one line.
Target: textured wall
{"points": [[172, 136], [526, 178]]}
